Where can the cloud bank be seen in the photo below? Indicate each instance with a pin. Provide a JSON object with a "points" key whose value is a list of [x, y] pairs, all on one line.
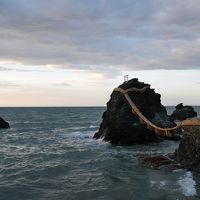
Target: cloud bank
{"points": [[104, 36]]}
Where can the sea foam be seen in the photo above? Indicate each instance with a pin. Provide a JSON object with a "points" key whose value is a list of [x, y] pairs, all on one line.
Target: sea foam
{"points": [[187, 185]]}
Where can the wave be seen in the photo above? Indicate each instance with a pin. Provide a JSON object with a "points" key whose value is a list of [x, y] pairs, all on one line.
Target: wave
{"points": [[184, 184], [188, 185], [92, 126]]}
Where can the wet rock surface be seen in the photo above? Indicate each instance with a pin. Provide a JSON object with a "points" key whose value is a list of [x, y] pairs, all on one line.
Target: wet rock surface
{"points": [[120, 126], [166, 162], [187, 156], [183, 112], [188, 152], [3, 123]]}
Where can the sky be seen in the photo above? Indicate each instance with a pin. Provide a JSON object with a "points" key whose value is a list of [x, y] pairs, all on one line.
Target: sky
{"points": [[75, 52]]}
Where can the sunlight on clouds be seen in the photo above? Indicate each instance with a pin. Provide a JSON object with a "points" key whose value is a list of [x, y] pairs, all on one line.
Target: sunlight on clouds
{"points": [[55, 88], [9, 62], [98, 76]]}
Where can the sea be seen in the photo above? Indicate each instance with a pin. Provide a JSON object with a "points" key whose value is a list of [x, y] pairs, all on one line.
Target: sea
{"points": [[50, 153]]}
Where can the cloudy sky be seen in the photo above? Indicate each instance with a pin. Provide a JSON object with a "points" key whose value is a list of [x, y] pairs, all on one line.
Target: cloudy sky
{"points": [[74, 52]]}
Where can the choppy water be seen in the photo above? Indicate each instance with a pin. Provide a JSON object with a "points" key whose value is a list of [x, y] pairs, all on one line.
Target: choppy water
{"points": [[49, 153]]}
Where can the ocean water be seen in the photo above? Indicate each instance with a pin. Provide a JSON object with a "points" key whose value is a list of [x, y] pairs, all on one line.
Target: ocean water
{"points": [[50, 153]]}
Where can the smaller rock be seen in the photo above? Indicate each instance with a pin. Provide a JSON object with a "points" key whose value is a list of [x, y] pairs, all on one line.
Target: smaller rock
{"points": [[187, 156], [183, 112], [166, 162], [188, 152], [3, 123]]}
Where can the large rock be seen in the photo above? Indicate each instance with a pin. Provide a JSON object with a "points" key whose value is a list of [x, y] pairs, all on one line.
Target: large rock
{"points": [[121, 126], [3, 123], [183, 112]]}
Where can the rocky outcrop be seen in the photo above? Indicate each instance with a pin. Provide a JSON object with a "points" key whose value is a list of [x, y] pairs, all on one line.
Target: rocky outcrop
{"points": [[166, 162], [187, 156], [183, 112], [188, 152], [3, 123], [121, 126]]}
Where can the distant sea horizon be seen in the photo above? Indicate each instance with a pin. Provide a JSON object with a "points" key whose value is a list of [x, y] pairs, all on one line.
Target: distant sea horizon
{"points": [[76, 106]]}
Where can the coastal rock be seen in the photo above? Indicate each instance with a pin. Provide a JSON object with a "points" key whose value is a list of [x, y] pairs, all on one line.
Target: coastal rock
{"points": [[188, 152], [166, 162], [120, 126], [183, 112], [3, 123], [187, 156]]}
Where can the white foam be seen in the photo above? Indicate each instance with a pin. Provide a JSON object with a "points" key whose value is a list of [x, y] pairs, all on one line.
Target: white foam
{"points": [[158, 184], [77, 127], [92, 126], [187, 185]]}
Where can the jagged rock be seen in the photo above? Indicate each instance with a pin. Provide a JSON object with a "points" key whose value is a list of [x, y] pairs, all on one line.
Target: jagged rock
{"points": [[3, 123], [188, 152], [183, 112], [187, 156], [121, 126]]}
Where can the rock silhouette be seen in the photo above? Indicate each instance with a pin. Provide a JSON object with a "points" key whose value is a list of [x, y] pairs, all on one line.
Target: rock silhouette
{"points": [[3, 123], [183, 112], [121, 127]]}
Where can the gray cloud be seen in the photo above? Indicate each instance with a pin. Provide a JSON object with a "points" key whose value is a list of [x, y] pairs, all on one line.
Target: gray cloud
{"points": [[8, 84], [3, 69], [12, 69], [101, 36]]}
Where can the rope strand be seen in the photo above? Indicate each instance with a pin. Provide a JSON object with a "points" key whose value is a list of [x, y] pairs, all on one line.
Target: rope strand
{"points": [[166, 132]]}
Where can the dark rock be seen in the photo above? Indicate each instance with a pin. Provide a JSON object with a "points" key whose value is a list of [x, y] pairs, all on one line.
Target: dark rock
{"points": [[166, 162], [188, 152], [3, 123], [187, 156], [121, 126], [183, 112]]}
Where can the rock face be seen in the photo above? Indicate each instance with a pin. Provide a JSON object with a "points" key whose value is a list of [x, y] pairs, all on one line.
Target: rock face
{"points": [[188, 152], [183, 112], [121, 126], [3, 123]]}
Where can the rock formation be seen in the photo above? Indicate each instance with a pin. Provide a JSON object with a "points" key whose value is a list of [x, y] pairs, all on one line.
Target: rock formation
{"points": [[121, 126], [188, 152], [3, 123], [187, 156], [183, 112]]}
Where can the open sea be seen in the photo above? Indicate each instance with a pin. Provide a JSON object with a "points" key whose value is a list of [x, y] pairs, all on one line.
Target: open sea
{"points": [[50, 153]]}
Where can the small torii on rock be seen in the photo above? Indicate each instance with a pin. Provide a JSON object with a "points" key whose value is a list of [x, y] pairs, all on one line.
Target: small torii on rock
{"points": [[126, 78]]}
